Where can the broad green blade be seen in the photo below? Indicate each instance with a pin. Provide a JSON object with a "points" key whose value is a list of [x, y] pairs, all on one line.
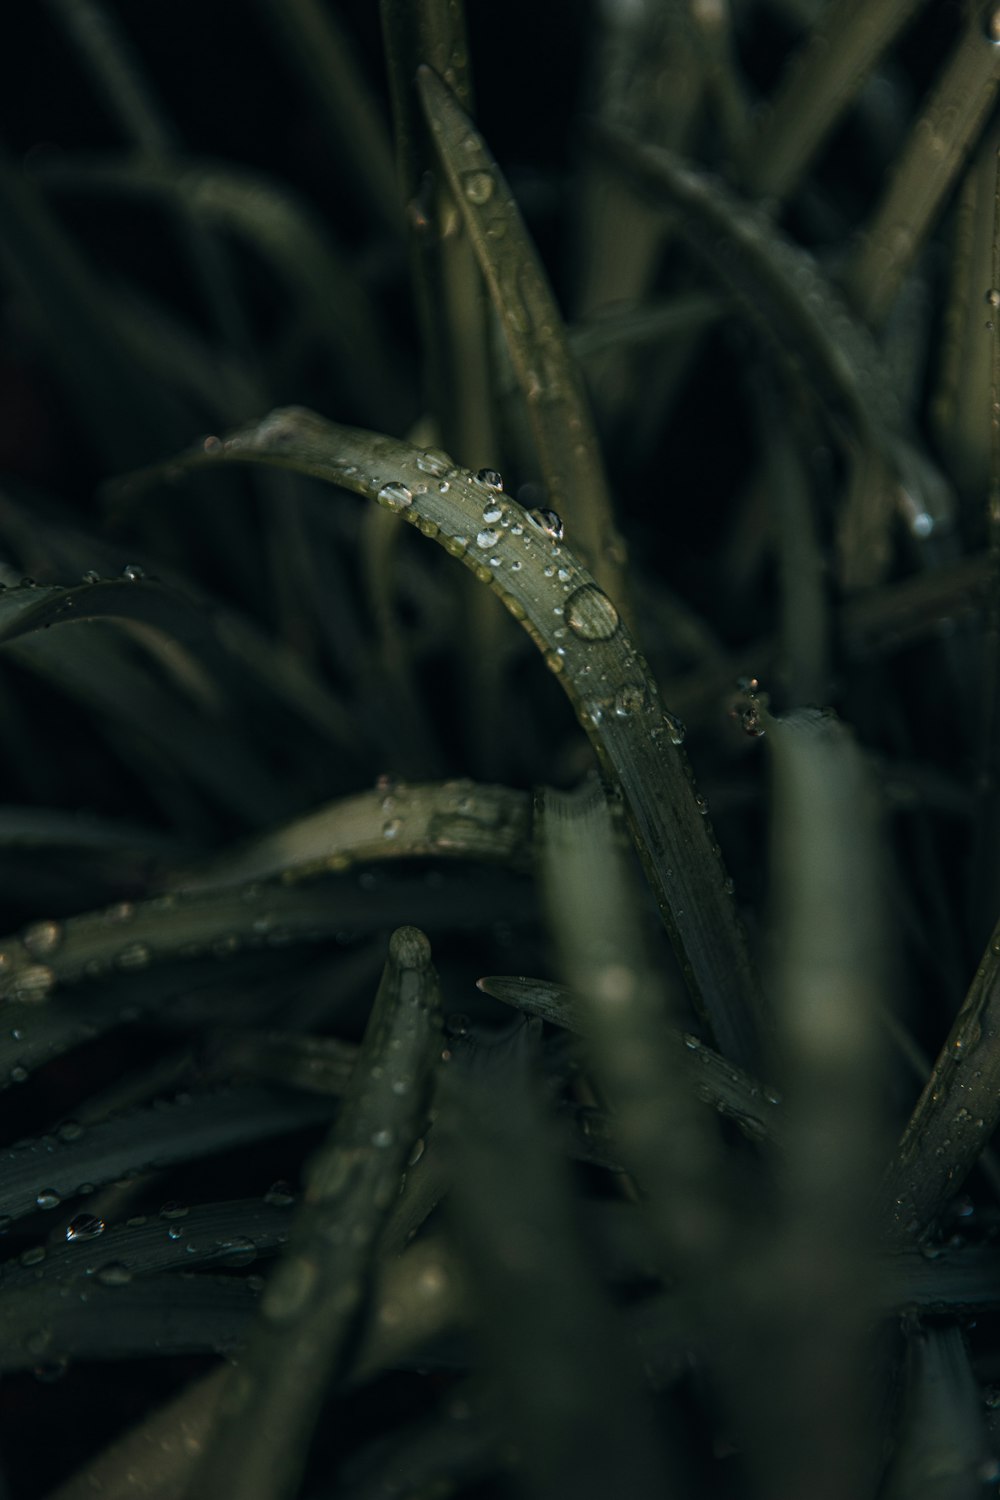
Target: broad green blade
{"points": [[584, 642], [314, 1297], [536, 339], [452, 819]]}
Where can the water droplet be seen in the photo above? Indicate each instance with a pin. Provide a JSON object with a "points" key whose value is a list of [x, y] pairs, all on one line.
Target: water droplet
{"points": [[922, 524], [492, 479], [212, 444], [85, 1227], [91, 576], [239, 1251], [478, 186], [434, 461], [173, 1210], [42, 938], [33, 1256], [135, 956], [133, 573], [115, 1273], [395, 495], [382, 1138], [32, 984], [47, 1198], [488, 537], [549, 522], [390, 828], [280, 1194], [631, 698], [492, 513], [18, 1074], [591, 615]]}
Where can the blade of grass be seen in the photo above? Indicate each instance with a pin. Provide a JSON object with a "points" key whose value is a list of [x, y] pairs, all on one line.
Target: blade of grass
{"points": [[534, 333], [570, 1390], [814, 1388], [199, 1315], [233, 1233], [580, 633], [942, 1453], [781, 289], [668, 1141], [52, 1168], [312, 1301], [730, 1091], [955, 1115], [322, 55], [821, 83], [286, 233], [457, 819], [925, 171], [959, 409]]}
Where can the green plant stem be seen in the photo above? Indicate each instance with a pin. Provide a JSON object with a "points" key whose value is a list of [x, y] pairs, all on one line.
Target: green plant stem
{"points": [[313, 1299], [925, 171]]}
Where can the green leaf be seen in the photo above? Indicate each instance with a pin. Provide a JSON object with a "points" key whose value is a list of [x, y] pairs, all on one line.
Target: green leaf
{"points": [[581, 635]]}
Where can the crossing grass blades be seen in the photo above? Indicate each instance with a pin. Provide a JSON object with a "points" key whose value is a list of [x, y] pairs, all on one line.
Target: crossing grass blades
{"points": [[500, 728]]}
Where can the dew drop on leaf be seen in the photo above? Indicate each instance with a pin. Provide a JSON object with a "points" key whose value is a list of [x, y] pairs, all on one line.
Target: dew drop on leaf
{"points": [[591, 615]]}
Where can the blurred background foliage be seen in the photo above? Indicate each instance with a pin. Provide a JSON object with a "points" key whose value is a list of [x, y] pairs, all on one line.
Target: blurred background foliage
{"points": [[734, 351]]}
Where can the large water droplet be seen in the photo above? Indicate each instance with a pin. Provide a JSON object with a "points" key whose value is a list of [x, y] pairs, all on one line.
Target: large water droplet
{"points": [[492, 478], [395, 495], [132, 573], [47, 1198], [631, 698], [478, 186], [42, 938], [32, 984], [493, 513], [591, 615], [85, 1227], [434, 461], [280, 1194], [488, 537], [549, 522]]}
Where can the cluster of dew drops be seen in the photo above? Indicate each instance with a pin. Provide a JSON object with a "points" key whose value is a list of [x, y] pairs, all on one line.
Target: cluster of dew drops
{"points": [[588, 612]]}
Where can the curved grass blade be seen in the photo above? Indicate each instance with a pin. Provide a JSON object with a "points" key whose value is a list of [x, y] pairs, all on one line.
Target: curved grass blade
{"points": [[285, 233], [955, 1115], [570, 1388], [234, 1233], [417, 1297], [821, 83], [455, 819], [644, 323], [925, 170], [41, 1173], [196, 1315], [312, 1302], [319, 49], [122, 415], [782, 290], [536, 340], [128, 937], [717, 1082], [103, 673], [578, 629]]}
